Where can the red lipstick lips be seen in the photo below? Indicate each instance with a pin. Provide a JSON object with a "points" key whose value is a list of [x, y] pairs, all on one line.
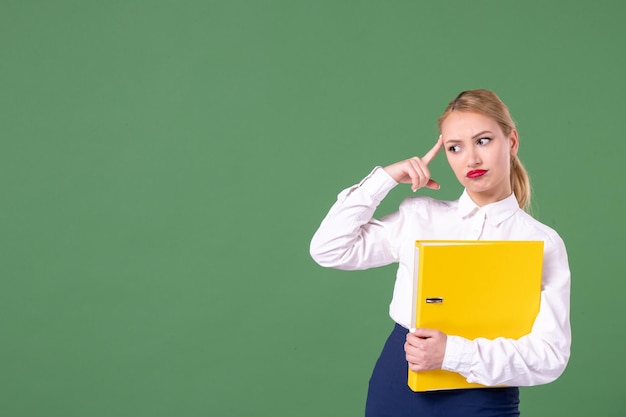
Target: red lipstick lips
{"points": [[476, 173]]}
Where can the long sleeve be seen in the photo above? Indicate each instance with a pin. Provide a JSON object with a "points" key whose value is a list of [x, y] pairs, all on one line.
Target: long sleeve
{"points": [[537, 358], [348, 237]]}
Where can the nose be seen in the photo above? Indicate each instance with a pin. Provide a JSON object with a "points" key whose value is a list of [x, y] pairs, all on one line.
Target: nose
{"points": [[473, 158]]}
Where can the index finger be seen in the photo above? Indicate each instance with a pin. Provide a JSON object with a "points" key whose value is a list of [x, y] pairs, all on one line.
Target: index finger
{"points": [[431, 154]]}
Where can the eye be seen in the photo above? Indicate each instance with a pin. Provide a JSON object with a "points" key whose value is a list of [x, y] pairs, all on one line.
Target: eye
{"points": [[454, 148], [483, 141]]}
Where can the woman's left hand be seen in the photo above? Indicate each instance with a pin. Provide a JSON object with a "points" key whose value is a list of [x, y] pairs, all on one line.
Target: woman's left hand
{"points": [[425, 349]]}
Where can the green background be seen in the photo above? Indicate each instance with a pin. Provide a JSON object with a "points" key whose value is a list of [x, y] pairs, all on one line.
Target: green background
{"points": [[164, 164]]}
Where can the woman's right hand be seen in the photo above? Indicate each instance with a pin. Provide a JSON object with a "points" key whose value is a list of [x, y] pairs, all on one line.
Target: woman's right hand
{"points": [[415, 171]]}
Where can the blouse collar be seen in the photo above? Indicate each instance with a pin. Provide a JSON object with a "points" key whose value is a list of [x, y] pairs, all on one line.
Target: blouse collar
{"points": [[495, 213]]}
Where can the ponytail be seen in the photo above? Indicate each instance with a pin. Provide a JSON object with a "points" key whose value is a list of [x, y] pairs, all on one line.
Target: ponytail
{"points": [[520, 183]]}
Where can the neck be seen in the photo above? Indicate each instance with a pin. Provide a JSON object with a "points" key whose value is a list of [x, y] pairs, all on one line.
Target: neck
{"points": [[484, 198]]}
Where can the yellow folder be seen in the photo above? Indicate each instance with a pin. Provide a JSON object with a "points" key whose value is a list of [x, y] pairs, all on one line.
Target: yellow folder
{"points": [[476, 288]]}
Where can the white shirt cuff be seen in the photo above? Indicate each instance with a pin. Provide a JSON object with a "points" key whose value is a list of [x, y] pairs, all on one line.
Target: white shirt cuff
{"points": [[377, 184], [460, 354]]}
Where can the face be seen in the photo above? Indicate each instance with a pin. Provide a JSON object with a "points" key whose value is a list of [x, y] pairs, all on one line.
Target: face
{"points": [[480, 155]]}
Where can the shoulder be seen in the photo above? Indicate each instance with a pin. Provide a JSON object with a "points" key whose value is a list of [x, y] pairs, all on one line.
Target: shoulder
{"points": [[427, 206], [540, 230]]}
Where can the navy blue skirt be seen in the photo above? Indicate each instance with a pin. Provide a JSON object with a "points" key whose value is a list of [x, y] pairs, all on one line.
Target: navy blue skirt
{"points": [[390, 396]]}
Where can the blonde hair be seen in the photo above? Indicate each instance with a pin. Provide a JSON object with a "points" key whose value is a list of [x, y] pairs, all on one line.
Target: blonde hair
{"points": [[488, 104]]}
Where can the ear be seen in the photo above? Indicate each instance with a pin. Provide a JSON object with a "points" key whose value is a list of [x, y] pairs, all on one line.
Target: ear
{"points": [[514, 140]]}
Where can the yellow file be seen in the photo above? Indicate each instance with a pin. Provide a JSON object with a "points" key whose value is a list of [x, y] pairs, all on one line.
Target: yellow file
{"points": [[477, 288]]}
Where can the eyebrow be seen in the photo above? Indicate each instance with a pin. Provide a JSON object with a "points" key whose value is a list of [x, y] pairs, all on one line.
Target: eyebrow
{"points": [[481, 133], [477, 135]]}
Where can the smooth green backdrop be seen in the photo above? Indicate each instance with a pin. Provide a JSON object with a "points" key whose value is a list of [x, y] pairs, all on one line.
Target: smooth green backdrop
{"points": [[164, 164]]}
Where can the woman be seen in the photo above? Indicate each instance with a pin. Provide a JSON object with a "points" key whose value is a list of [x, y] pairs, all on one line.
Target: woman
{"points": [[481, 142]]}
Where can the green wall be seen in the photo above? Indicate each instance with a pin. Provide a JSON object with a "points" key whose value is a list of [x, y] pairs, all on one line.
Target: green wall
{"points": [[164, 164]]}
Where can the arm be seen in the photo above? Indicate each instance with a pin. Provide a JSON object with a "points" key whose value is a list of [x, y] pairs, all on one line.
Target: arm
{"points": [[348, 237], [537, 358]]}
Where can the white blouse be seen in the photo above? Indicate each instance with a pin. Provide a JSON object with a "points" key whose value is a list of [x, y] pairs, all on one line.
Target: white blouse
{"points": [[350, 238]]}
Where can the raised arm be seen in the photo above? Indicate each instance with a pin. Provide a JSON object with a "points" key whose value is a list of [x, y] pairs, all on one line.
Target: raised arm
{"points": [[349, 237]]}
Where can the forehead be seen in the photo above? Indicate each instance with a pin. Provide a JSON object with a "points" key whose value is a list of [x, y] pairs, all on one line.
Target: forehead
{"points": [[460, 124]]}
